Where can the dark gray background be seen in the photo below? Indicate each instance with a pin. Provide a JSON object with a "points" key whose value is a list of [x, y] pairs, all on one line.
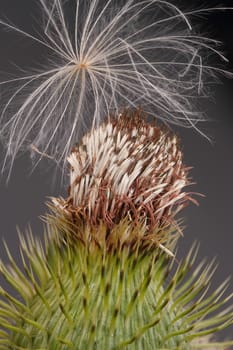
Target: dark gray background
{"points": [[22, 200]]}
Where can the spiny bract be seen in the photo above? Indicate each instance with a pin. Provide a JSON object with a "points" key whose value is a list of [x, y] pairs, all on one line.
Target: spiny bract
{"points": [[75, 297]]}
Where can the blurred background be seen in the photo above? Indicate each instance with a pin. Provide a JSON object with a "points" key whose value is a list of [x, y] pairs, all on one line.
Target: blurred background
{"points": [[23, 199]]}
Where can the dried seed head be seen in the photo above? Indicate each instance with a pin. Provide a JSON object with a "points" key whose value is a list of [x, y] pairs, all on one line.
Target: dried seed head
{"points": [[127, 169]]}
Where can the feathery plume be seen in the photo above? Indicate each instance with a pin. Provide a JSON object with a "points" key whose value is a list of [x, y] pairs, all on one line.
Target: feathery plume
{"points": [[110, 54], [127, 169]]}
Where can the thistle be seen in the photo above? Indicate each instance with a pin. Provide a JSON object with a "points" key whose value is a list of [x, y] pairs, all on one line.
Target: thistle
{"points": [[106, 275]]}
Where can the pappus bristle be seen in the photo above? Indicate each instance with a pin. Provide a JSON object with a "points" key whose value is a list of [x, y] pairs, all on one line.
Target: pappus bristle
{"points": [[108, 55]]}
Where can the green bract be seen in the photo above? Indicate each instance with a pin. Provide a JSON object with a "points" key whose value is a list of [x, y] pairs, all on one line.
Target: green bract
{"points": [[75, 296]]}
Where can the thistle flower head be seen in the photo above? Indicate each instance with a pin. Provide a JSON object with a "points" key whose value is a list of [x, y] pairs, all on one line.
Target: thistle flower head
{"points": [[107, 55], [127, 169]]}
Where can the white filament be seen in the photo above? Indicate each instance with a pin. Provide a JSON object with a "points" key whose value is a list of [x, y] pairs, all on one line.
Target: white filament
{"points": [[113, 54]]}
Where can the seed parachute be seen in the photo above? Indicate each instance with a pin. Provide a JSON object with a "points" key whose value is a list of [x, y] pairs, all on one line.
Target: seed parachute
{"points": [[103, 55]]}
